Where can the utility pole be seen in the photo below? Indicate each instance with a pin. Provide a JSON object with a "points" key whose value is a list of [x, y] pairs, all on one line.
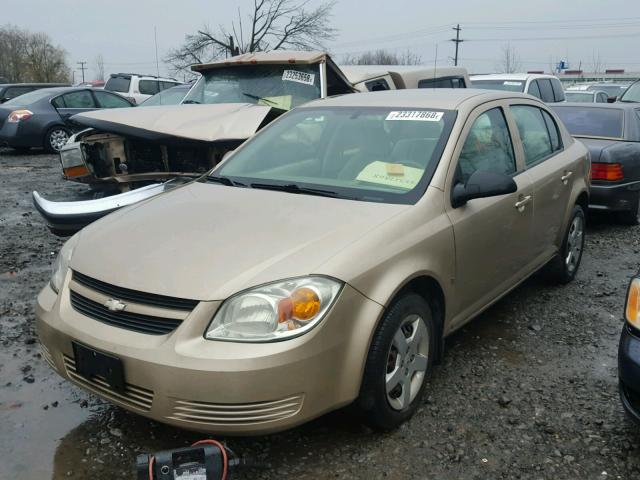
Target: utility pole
{"points": [[83, 68], [457, 41]]}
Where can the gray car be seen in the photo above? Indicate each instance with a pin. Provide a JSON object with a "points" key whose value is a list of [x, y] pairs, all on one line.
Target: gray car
{"points": [[41, 118]]}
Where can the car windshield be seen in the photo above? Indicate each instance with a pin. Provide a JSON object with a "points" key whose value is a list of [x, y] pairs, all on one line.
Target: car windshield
{"points": [[584, 97], [367, 153], [118, 84], [508, 85], [632, 94], [592, 121], [279, 86], [171, 96], [29, 98], [611, 90]]}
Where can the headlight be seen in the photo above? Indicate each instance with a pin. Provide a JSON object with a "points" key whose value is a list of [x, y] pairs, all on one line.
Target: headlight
{"points": [[275, 311], [61, 265], [632, 308]]}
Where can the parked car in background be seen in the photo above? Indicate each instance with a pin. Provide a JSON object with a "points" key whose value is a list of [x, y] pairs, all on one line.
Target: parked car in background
{"points": [[42, 118], [170, 96], [613, 89], [137, 88], [631, 94], [370, 78], [545, 87], [260, 322], [629, 352], [586, 96], [611, 132], [9, 91]]}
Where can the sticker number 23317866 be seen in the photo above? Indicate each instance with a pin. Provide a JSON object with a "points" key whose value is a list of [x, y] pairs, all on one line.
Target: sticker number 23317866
{"points": [[415, 115]]}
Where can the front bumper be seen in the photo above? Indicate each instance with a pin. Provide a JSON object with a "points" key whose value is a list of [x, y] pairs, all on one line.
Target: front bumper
{"points": [[629, 371], [614, 198], [213, 386]]}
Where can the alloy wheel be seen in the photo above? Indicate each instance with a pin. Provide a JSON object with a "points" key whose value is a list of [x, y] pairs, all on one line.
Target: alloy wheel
{"points": [[574, 243], [58, 138], [407, 362]]}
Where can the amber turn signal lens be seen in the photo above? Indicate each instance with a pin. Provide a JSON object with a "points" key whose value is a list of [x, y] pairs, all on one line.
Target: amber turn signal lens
{"points": [[306, 303], [633, 303], [79, 171]]}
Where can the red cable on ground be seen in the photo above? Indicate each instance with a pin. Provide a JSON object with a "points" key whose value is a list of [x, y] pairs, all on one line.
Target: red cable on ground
{"points": [[225, 459], [151, 461]]}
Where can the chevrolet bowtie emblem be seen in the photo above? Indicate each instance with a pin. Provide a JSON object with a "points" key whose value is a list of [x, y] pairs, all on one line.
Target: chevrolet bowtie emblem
{"points": [[115, 305]]}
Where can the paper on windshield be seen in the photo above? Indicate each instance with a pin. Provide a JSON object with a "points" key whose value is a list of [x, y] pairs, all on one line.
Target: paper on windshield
{"points": [[299, 77], [282, 102], [415, 115], [393, 174], [513, 84]]}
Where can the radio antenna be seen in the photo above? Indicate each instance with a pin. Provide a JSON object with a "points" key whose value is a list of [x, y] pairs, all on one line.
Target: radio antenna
{"points": [[435, 66]]}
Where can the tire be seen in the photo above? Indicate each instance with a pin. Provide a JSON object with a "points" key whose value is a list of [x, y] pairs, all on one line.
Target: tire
{"points": [[393, 383], [56, 138], [564, 266], [630, 217]]}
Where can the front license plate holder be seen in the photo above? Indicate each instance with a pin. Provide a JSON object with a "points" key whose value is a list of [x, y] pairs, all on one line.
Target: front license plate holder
{"points": [[91, 363]]}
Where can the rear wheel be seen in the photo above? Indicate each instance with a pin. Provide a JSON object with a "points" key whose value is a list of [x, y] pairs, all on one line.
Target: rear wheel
{"points": [[630, 217], [56, 138], [564, 266], [398, 363]]}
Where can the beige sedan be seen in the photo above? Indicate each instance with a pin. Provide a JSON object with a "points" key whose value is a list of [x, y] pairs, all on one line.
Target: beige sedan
{"points": [[322, 264]]}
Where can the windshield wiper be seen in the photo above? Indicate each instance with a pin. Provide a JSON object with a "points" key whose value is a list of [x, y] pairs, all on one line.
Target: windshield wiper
{"points": [[188, 102], [256, 97], [294, 188], [225, 181]]}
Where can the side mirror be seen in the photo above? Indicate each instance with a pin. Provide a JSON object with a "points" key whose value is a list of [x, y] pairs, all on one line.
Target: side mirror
{"points": [[482, 185], [4, 99]]}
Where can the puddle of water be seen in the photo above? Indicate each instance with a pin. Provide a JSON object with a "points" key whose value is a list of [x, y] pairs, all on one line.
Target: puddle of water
{"points": [[29, 434]]}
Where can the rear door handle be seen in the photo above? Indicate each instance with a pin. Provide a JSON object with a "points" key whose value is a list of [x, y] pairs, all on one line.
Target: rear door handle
{"points": [[521, 204], [565, 178]]}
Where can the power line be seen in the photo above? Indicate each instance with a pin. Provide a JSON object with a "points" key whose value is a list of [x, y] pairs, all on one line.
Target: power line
{"points": [[457, 41], [83, 68]]}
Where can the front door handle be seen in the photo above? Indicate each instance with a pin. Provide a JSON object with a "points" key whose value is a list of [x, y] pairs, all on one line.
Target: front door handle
{"points": [[565, 178], [522, 203]]}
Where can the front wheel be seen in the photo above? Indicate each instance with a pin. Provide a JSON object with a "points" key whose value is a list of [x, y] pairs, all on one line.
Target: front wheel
{"points": [[564, 266], [398, 362], [56, 138]]}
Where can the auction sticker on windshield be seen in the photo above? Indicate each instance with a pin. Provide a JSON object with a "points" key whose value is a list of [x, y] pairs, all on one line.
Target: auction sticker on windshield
{"points": [[392, 174], [512, 84], [415, 115], [299, 77]]}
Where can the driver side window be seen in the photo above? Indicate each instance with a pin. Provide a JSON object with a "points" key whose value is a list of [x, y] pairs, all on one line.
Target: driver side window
{"points": [[488, 147]]}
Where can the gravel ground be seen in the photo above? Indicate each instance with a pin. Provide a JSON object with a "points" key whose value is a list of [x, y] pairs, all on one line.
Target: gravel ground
{"points": [[527, 390]]}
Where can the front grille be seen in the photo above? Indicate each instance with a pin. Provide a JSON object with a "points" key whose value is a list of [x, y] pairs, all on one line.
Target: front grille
{"points": [[128, 320], [134, 397], [143, 298], [223, 414]]}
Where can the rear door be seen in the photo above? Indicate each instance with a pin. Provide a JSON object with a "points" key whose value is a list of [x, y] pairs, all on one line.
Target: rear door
{"points": [[550, 172], [492, 235], [71, 103]]}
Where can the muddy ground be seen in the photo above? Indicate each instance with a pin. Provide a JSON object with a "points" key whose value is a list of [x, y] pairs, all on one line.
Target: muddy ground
{"points": [[528, 390]]}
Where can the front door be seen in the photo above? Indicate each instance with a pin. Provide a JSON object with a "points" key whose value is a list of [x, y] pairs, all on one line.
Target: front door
{"points": [[71, 103], [492, 235]]}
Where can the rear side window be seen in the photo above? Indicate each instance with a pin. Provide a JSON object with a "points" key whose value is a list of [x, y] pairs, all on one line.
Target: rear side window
{"points": [[558, 92], [450, 82], [546, 90], [110, 100], [118, 84], [602, 97], [148, 87], [13, 92], [165, 85], [533, 133], [377, 85], [80, 99], [554, 133], [534, 89], [488, 146]]}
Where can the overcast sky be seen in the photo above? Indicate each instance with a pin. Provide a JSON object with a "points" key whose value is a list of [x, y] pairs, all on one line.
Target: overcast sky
{"points": [[541, 32]]}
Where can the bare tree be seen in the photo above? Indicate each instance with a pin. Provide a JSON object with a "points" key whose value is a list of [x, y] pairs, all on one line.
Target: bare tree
{"points": [[30, 57], [597, 65], [272, 25], [99, 67], [509, 60], [383, 57]]}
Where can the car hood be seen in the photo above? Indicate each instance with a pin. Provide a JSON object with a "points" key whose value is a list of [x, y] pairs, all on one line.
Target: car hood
{"points": [[208, 123], [207, 241]]}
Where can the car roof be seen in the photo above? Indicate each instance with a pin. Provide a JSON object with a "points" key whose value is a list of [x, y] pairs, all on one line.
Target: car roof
{"points": [[52, 84], [361, 73], [274, 56], [440, 98], [58, 90], [511, 76]]}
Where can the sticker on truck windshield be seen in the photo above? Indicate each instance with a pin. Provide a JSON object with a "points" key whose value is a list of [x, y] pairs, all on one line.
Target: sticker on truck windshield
{"points": [[415, 115], [299, 77], [513, 84]]}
